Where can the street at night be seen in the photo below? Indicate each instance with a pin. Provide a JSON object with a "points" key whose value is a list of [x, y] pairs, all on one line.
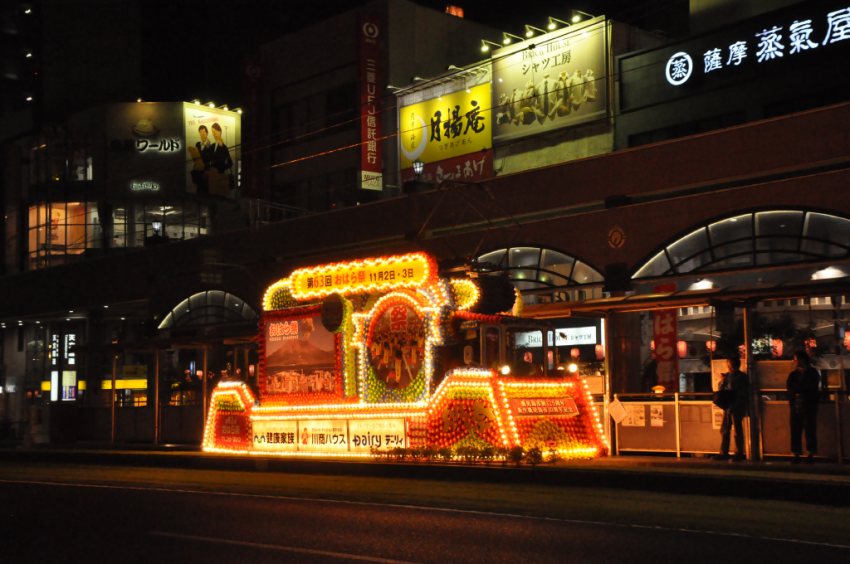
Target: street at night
{"points": [[146, 515]]}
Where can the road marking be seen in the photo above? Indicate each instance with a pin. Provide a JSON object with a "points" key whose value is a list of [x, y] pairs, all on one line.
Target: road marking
{"points": [[424, 508], [278, 547]]}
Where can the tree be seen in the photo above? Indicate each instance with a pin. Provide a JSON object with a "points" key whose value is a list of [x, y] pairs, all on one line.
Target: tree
{"points": [[534, 456], [516, 454]]}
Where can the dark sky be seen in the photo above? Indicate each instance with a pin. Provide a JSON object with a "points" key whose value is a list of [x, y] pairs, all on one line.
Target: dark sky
{"points": [[177, 68]]}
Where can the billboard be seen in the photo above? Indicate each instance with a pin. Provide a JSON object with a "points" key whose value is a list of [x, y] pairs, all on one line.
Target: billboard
{"points": [[446, 127], [299, 355], [213, 143], [559, 83], [328, 436]]}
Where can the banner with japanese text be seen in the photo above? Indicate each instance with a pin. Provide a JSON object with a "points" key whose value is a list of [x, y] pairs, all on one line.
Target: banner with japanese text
{"points": [[276, 436], [561, 82], [449, 126], [380, 433], [369, 31], [666, 334], [466, 168]]}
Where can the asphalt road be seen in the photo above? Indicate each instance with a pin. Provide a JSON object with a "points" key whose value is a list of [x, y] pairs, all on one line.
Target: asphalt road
{"points": [[68, 523]]}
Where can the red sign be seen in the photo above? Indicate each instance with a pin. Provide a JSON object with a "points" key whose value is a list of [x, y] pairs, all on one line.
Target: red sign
{"points": [[536, 407], [369, 30], [465, 168], [666, 332], [231, 431]]}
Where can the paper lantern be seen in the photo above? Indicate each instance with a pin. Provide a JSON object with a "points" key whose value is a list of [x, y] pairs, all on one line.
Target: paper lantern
{"points": [[683, 348], [711, 345], [652, 345], [847, 340], [600, 352], [574, 352], [776, 346]]}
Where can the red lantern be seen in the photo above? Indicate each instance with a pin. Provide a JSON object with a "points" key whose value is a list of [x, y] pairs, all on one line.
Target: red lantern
{"points": [[847, 340], [683, 348], [600, 352], [711, 345], [574, 353], [811, 344], [652, 345], [776, 346]]}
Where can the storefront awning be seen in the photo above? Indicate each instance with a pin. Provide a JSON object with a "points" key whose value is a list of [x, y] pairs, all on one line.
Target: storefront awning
{"points": [[687, 298]]}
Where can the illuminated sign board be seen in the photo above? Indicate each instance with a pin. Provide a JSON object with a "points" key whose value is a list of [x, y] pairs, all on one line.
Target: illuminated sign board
{"points": [[537, 407], [781, 41], [328, 436], [563, 337], [402, 271], [151, 186], [442, 128], [560, 82], [371, 79]]}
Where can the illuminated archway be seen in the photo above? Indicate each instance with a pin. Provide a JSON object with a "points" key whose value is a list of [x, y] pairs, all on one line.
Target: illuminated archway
{"points": [[208, 308]]}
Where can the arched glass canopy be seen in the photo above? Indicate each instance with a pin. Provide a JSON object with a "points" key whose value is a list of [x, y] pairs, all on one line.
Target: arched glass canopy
{"points": [[535, 268], [208, 308], [753, 240]]}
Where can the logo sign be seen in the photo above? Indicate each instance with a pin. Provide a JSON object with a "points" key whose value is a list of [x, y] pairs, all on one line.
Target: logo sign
{"points": [[371, 79], [275, 436], [563, 337], [401, 271], [436, 130], [380, 433], [537, 407], [616, 237], [679, 68], [283, 331], [323, 436], [559, 83], [471, 167], [666, 331]]}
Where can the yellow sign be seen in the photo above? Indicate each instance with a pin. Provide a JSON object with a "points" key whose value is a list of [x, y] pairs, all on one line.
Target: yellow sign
{"points": [[438, 129], [135, 371], [370, 275]]}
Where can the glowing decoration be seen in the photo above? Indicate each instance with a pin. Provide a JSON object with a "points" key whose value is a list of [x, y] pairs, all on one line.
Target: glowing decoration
{"points": [[811, 344], [776, 346], [574, 353], [682, 347], [711, 345], [466, 293], [652, 346], [371, 275], [847, 340], [573, 367], [506, 370], [658, 389], [600, 352]]}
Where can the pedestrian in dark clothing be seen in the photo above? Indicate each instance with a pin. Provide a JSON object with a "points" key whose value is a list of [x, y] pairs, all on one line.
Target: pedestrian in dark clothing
{"points": [[733, 416], [803, 397]]}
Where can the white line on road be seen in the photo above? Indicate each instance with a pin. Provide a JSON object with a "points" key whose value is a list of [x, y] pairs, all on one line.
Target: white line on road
{"points": [[278, 547], [424, 508]]}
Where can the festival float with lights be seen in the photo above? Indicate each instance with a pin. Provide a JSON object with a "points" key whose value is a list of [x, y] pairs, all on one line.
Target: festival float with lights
{"points": [[363, 356]]}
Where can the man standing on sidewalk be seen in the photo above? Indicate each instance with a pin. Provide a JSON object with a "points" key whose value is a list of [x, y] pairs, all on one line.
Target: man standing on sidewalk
{"points": [[803, 398], [737, 382]]}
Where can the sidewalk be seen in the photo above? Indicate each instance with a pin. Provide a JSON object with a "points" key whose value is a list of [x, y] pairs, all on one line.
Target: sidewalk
{"points": [[822, 483]]}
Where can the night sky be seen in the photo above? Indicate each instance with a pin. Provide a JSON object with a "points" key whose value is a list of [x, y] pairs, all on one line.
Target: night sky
{"points": [[217, 35]]}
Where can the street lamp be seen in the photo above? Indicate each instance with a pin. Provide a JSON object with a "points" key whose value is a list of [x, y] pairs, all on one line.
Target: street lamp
{"points": [[418, 166], [506, 37]]}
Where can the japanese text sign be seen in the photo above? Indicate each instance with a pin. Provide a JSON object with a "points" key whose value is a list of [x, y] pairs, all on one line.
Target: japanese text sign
{"points": [[537, 407], [561, 82], [280, 436], [666, 333], [380, 433], [369, 31], [402, 271], [441, 128]]}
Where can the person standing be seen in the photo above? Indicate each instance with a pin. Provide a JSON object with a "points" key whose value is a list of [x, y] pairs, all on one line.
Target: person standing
{"points": [[733, 416], [803, 394]]}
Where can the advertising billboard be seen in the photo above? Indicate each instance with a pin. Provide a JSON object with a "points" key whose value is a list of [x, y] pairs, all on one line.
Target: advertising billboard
{"points": [[299, 356], [446, 127], [328, 436], [559, 83], [213, 145], [371, 78]]}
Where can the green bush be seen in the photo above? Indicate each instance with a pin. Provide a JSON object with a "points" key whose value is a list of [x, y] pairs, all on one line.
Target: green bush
{"points": [[504, 454], [554, 456], [516, 454], [415, 454], [487, 454], [534, 456], [429, 453], [445, 454]]}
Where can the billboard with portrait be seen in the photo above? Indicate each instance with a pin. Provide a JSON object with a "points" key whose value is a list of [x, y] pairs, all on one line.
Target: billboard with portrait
{"points": [[446, 127], [213, 149], [559, 83]]}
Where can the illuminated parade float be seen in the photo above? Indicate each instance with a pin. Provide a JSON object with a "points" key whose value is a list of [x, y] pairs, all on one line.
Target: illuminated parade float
{"points": [[361, 357]]}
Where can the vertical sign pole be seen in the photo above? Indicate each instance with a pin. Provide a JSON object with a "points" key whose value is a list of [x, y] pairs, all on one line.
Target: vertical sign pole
{"points": [[114, 398], [755, 415], [156, 402], [204, 391]]}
